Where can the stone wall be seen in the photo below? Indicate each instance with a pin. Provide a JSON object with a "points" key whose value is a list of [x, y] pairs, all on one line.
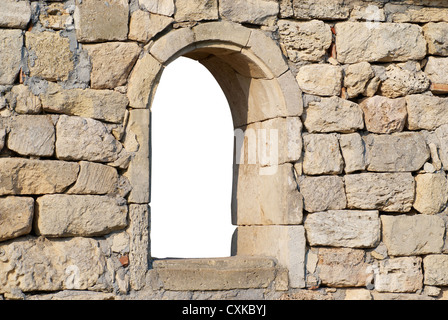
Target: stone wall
{"points": [[353, 208]]}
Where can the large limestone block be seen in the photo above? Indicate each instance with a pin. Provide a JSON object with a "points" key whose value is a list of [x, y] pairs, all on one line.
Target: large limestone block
{"points": [[384, 115], [437, 69], [413, 12], [24, 101], [40, 264], [399, 275], [391, 192], [95, 178], [164, 7], [436, 35], [328, 10], [16, 217], [265, 195], [343, 267], [11, 43], [328, 83], [97, 20], [104, 105], [426, 112], [404, 79], [333, 115], [322, 154], [431, 193], [262, 12], [26, 177], [111, 63], [50, 56], [196, 10], [32, 135], [143, 25], [61, 215], [356, 42], [402, 151], [85, 139], [288, 248], [353, 151], [357, 77], [307, 41], [15, 14], [436, 269], [343, 228], [419, 234], [322, 193]]}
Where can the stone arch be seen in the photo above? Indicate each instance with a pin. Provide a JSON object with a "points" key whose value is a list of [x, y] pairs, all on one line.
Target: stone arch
{"points": [[263, 95]]}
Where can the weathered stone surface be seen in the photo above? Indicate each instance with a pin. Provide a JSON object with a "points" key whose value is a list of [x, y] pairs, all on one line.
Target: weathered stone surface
{"points": [[343, 267], [431, 193], [356, 78], [196, 11], [11, 43], [437, 69], [406, 235], [95, 178], [49, 55], [442, 135], [40, 264], [307, 41], [111, 63], [353, 151], [61, 215], [55, 16], [288, 249], [164, 7], [333, 115], [16, 217], [436, 35], [330, 10], [143, 25], [356, 42], [404, 79], [32, 135], [414, 13], [25, 177], [436, 269], [426, 112], [104, 105], [85, 139], [24, 101], [249, 11], [97, 20], [343, 228], [328, 83], [322, 193], [384, 115], [401, 151], [399, 275], [322, 154], [391, 192], [15, 14], [2, 136]]}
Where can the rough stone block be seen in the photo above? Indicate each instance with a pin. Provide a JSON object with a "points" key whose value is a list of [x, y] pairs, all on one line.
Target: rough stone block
{"points": [[98, 20], [414, 13], [164, 7], [426, 112], [85, 139], [61, 215], [307, 41], [172, 44], [111, 63], [406, 235], [436, 35], [353, 151], [49, 55], [390, 192], [196, 11], [15, 14], [95, 178], [404, 79], [11, 43], [328, 83], [330, 10], [442, 135], [356, 42], [343, 228], [288, 249], [431, 193], [262, 12], [32, 135], [402, 151], [16, 217], [26, 177], [437, 69], [357, 77], [436, 269], [333, 115], [24, 101], [384, 115], [322, 154], [55, 16], [322, 193], [399, 275], [143, 26]]}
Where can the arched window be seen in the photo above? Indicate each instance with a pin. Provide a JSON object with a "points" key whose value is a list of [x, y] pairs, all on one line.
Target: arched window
{"points": [[192, 150]]}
